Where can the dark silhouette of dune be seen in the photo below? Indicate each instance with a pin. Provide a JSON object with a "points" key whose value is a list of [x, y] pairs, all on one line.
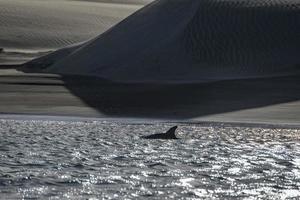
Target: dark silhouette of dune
{"points": [[186, 101], [231, 55], [190, 41], [94, 97]]}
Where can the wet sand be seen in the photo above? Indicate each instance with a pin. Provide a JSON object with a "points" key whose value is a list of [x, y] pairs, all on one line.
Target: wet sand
{"points": [[266, 101]]}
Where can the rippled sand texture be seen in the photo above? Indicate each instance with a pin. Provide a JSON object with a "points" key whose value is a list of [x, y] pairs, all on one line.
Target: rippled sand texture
{"points": [[190, 41], [81, 160], [37, 25]]}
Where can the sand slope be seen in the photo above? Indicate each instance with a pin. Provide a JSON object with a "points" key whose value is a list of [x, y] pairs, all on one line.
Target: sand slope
{"points": [[191, 41], [35, 26], [173, 45]]}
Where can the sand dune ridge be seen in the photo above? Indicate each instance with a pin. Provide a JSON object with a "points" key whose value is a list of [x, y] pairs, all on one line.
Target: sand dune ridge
{"points": [[190, 41]]}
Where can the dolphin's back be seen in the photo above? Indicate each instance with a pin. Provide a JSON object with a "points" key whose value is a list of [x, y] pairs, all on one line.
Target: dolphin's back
{"points": [[156, 136], [170, 134]]}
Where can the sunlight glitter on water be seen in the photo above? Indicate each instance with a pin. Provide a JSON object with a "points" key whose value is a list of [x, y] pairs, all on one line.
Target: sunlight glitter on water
{"points": [[96, 160]]}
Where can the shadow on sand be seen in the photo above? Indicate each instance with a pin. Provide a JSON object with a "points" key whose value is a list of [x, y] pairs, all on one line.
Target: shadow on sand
{"points": [[182, 101]]}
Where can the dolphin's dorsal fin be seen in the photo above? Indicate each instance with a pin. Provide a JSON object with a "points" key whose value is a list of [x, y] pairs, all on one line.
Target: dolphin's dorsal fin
{"points": [[171, 131]]}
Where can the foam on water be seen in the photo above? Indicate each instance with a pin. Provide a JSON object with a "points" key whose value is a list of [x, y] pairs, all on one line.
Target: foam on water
{"points": [[95, 160]]}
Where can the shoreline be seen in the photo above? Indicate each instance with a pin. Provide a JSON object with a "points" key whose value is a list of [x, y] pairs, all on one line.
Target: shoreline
{"points": [[270, 102], [144, 121]]}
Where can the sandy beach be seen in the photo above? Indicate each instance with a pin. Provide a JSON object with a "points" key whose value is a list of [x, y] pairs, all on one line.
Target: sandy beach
{"points": [[245, 101], [33, 28]]}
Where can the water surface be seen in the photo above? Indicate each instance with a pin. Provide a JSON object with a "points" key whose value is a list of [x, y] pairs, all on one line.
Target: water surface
{"points": [[96, 160]]}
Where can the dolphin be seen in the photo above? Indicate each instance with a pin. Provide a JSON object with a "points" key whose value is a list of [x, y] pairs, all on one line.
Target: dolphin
{"points": [[170, 134]]}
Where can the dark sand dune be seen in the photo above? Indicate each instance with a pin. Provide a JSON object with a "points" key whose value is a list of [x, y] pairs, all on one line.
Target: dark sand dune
{"points": [[257, 39], [191, 41]]}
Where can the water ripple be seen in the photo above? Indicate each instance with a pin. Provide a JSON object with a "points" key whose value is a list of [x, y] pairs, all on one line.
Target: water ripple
{"points": [[96, 160]]}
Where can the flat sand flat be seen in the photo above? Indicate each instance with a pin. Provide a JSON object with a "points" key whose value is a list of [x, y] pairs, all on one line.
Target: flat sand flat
{"points": [[273, 101]]}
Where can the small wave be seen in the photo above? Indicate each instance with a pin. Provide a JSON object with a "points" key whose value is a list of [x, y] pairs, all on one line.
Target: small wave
{"points": [[47, 168]]}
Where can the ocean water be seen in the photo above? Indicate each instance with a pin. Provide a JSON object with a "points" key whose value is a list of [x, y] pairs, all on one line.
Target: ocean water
{"points": [[108, 160]]}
